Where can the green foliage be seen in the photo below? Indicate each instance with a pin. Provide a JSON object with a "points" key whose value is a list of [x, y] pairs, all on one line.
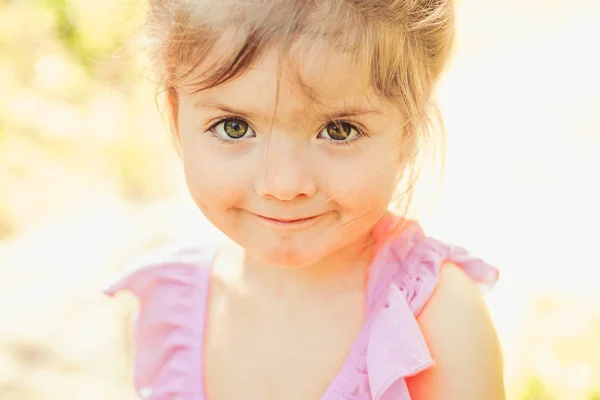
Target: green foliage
{"points": [[92, 30], [536, 390], [73, 116]]}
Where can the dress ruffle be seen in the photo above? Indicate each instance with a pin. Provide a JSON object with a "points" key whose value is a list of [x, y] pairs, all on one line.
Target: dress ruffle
{"points": [[171, 287]]}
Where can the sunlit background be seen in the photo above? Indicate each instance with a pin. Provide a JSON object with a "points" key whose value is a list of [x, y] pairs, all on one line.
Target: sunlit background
{"points": [[88, 178]]}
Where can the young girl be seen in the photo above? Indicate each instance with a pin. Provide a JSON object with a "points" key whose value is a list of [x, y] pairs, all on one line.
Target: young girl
{"points": [[297, 121]]}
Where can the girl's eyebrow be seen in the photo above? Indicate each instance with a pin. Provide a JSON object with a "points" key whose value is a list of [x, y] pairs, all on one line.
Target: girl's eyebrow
{"points": [[212, 104], [346, 112], [333, 114]]}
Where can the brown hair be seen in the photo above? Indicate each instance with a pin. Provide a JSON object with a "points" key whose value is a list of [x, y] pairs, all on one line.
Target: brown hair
{"points": [[403, 45]]}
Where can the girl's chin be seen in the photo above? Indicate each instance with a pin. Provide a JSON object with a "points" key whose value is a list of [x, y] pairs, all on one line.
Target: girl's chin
{"points": [[287, 257]]}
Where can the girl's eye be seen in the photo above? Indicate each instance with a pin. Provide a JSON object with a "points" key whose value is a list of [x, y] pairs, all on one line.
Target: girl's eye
{"points": [[232, 128], [339, 132]]}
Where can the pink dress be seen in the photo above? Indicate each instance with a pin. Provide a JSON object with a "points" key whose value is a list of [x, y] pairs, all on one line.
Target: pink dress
{"points": [[172, 289]]}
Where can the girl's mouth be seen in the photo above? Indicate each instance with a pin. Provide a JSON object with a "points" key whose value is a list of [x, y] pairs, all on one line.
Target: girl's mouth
{"points": [[288, 223]]}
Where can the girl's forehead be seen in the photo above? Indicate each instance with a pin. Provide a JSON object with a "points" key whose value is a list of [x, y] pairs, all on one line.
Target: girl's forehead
{"points": [[317, 77]]}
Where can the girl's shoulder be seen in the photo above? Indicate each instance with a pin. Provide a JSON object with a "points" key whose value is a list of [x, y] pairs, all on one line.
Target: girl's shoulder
{"points": [[412, 263], [417, 286]]}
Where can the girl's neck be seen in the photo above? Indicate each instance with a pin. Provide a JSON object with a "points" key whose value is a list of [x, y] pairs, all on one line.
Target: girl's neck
{"points": [[342, 271]]}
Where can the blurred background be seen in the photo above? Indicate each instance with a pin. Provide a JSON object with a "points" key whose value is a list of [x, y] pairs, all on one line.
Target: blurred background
{"points": [[88, 178]]}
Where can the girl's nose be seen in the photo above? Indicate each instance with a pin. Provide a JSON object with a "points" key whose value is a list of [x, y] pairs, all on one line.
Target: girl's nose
{"points": [[287, 173]]}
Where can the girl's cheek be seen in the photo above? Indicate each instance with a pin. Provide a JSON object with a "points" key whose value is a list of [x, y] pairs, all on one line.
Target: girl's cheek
{"points": [[362, 195], [368, 181], [214, 180]]}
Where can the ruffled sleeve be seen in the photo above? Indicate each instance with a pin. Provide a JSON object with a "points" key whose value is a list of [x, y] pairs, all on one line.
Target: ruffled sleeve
{"points": [[404, 276], [171, 287], [423, 265]]}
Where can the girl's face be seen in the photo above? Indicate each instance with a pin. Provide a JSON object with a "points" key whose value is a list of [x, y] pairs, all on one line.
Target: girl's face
{"points": [[293, 178]]}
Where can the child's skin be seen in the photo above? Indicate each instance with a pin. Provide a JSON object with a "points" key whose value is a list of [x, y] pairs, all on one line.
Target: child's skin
{"points": [[286, 305]]}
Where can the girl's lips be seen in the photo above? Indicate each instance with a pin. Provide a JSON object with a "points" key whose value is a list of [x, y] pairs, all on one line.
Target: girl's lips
{"points": [[288, 224]]}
